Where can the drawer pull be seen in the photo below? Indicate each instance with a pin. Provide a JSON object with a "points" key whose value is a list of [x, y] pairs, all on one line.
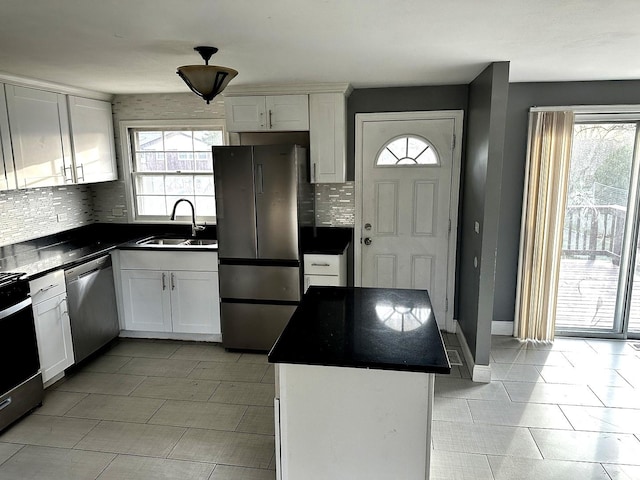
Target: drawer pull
{"points": [[320, 264], [44, 289]]}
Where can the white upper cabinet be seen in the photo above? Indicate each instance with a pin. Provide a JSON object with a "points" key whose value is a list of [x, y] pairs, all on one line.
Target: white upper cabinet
{"points": [[255, 113], [92, 140], [327, 137], [7, 173], [40, 139]]}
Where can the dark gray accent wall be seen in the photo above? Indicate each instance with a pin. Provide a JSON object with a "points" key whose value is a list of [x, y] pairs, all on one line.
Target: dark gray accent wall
{"points": [[522, 96], [401, 99], [481, 186]]}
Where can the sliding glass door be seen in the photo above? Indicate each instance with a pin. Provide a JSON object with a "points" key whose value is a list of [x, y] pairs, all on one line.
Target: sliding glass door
{"points": [[596, 294]]}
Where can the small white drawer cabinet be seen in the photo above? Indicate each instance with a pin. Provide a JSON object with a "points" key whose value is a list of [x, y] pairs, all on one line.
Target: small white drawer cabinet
{"points": [[53, 329], [323, 269], [169, 292]]}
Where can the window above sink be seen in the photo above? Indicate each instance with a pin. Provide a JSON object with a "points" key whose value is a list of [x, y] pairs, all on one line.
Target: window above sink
{"points": [[167, 161]]}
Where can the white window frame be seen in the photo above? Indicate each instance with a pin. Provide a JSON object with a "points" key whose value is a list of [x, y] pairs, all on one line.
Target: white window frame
{"points": [[125, 126]]}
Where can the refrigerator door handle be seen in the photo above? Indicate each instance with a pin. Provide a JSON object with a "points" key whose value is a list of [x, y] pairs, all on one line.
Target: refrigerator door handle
{"points": [[259, 179]]}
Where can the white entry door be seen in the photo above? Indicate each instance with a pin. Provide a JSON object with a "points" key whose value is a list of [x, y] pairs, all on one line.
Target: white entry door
{"points": [[407, 183]]}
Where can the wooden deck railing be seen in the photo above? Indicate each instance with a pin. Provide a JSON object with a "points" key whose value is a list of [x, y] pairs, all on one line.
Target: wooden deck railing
{"points": [[594, 230]]}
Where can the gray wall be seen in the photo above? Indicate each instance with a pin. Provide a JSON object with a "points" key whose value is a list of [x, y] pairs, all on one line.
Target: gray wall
{"points": [[480, 203], [522, 96]]}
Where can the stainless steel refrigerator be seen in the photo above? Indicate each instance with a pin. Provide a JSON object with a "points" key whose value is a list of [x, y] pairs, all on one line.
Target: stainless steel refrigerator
{"points": [[259, 191]]}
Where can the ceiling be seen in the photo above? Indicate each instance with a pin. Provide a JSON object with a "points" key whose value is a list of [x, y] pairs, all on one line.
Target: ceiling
{"points": [[134, 46]]}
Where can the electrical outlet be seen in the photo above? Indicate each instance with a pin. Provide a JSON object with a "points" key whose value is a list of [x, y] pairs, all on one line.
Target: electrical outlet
{"points": [[62, 217], [117, 211]]}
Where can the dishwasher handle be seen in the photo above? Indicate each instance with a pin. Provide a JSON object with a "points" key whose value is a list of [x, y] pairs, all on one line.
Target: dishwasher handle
{"points": [[88, 268]]}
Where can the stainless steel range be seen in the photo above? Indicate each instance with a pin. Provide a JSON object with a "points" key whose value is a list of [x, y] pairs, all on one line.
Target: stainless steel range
{"points": [[20, 379]]}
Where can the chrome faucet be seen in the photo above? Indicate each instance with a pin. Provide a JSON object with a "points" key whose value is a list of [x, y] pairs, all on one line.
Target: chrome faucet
{"points": [[194, 226]]}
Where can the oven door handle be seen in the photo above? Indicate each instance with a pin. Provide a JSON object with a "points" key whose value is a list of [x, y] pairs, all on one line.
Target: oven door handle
{"points": [[15, 308]]}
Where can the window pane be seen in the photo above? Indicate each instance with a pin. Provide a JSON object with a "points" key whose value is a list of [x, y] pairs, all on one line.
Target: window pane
{"points": [[179, 185], [204, 161], [203, 140], [204, 185], [386, 158], [205, 206], [151, 205], [180, 161], [178, 140], [150, 184], [150, 162], [149, 141], [594, 225]]}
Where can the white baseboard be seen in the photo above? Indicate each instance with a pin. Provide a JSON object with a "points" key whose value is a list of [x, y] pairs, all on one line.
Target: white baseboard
{"points": [[479, 373], [502, 328]]}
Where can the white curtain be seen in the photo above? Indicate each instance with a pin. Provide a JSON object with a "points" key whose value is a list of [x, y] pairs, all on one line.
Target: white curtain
{"points": [[543, 210]]}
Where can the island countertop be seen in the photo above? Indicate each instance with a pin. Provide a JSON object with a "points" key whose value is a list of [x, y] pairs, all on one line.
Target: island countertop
{"points": [[378, 328]]}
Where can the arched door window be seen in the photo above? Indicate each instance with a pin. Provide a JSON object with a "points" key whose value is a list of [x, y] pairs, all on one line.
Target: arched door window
{"points": [[408, 150]]}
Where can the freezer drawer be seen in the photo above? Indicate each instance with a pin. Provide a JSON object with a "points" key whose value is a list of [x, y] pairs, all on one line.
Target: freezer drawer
{"points": [[253, 282], [253, 326]]}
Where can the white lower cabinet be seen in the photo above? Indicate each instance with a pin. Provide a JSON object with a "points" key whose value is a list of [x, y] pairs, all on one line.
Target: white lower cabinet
{"points": [[53, 329], [169, 300], [194, 300], [146, 301], [324, 269]]}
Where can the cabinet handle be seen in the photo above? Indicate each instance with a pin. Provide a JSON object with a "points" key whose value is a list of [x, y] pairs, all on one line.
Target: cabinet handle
{"points": [[320, 264], [261, 119], [173, 282], [164, 283], [67, 179], [270, 119], [44, 289], [314, 174], [81, 168]]}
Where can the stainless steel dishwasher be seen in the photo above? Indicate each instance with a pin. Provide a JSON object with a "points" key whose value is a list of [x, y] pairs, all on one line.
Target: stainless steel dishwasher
{"points": [[91, 300]]}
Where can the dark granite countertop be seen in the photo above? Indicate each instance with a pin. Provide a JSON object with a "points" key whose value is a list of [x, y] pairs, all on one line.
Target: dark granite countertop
{"points": [[325, 240], [69, 248], [388, 329]]}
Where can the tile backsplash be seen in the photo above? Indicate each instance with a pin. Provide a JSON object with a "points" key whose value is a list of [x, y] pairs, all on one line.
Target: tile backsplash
{"points": [[36, 212], [335, 204]]}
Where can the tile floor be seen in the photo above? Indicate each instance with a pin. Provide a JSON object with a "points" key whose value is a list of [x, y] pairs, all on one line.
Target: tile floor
{"points": [[179, 410], [565, 411]]}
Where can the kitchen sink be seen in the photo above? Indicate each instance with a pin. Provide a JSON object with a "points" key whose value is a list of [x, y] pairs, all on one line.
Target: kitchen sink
{"points": [[178, 242]]}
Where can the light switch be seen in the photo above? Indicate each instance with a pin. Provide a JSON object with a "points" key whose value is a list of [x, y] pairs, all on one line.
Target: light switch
{"points": [[476, 227]]}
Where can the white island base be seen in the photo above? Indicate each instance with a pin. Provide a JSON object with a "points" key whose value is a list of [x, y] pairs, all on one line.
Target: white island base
{"points": [[342, 423]]}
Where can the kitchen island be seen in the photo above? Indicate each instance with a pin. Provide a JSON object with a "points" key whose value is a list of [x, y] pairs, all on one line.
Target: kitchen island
{"points": [[355, 371]]}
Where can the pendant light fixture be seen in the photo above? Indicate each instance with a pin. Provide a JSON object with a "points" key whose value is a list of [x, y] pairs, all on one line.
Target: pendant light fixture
{"points": [[206, 80]]}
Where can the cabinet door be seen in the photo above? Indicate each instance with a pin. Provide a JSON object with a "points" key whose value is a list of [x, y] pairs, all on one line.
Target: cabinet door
{"points": [[287, 112], [39, 136], [245, 114], [7, 174], [146, 301], [53, 332], [93, 142], [195, 302], [327, 137]]}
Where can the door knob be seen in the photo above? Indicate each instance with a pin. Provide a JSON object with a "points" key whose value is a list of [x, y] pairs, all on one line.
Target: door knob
{"points": [[367, 241], [367, 226]]}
